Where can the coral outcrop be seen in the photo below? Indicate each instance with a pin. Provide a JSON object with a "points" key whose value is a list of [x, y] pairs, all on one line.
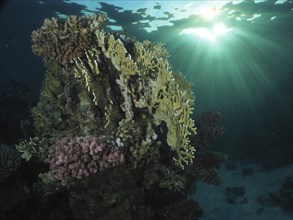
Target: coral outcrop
{"points": [[113, 125], [114, 85]]}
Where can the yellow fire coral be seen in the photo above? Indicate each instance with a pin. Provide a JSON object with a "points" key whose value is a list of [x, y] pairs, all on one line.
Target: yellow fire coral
{"points": [[173, 107], [117, 53], [89, 74], [155, 88]]}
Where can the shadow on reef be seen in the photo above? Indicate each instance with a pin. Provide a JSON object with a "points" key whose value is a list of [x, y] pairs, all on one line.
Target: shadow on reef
{"points": [[113, 133]]}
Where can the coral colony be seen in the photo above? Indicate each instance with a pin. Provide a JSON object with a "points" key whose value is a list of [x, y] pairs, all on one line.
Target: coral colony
{"points": [[81, 156], [113, 124]]}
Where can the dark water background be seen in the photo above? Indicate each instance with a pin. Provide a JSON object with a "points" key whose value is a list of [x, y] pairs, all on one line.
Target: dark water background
{"points": [[248, 79]]}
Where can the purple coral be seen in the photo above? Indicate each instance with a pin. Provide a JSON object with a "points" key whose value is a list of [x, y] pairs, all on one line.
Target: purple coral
{"points": [[80, 157], [209, 128]]}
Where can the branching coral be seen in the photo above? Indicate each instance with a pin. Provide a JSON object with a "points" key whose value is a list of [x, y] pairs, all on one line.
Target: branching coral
{"points": [[159, 93], [89, 74], [37, 147], [158, 90], [65, 40], [172, 105]]}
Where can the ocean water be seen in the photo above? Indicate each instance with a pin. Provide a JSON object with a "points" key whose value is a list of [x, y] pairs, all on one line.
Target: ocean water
{"points": [[237, 55]]}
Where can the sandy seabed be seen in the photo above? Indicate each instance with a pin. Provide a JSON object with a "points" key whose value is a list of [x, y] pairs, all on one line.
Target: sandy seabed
{"points": [[259, 183]]}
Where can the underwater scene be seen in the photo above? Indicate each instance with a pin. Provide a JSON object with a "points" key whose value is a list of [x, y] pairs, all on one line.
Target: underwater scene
{"points": [[146, 110]]}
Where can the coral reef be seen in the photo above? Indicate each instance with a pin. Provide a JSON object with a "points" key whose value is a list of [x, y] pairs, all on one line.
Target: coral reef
{"points": [[10, 161], [113, 126], [150, 93]]}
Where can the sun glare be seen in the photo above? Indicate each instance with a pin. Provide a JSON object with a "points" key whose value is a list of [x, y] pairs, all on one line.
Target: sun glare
{"points": [[220, 29], [210, 13], [211, 29], [211, 35], [202, 33]]}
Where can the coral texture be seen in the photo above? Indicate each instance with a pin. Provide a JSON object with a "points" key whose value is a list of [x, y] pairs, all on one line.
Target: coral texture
{"points": [[10, 161], [64, 40], [82, 156]]}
